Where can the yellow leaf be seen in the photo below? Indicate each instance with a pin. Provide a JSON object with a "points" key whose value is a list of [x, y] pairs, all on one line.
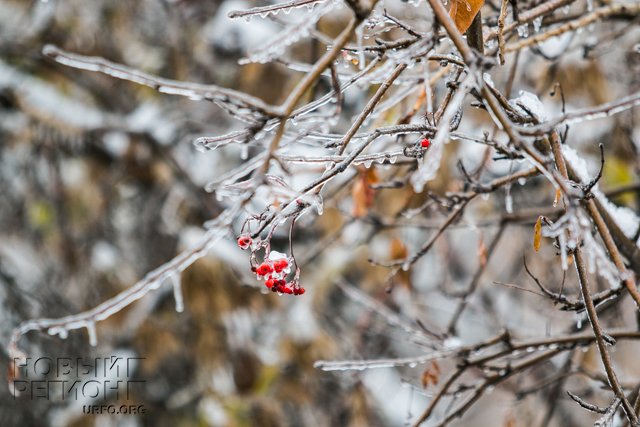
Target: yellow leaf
{"points": [[463, 11], [537, 234]]}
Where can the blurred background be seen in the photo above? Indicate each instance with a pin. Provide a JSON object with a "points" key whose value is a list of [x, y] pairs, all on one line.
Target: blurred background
{"points": [[100, 183]]}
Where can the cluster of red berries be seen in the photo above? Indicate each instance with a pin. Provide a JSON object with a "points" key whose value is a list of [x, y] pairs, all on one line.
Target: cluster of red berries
{"points": [[281, 286], [274, 270]]}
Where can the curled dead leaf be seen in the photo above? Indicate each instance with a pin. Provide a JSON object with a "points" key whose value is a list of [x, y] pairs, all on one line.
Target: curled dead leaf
{"points": [[431, 375]]}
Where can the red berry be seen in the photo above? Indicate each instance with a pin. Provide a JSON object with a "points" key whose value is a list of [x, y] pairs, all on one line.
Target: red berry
{"points": [[264, 269], [280, 265], [244, 241], [298, 291], [269, 283], [425, 143]]}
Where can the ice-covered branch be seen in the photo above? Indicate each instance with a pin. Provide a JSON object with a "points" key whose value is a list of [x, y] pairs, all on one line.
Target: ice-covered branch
{"points": [[194, 91]]}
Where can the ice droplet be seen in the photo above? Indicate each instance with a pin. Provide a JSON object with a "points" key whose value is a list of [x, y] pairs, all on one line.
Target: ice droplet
{"points": [[177, 292]]}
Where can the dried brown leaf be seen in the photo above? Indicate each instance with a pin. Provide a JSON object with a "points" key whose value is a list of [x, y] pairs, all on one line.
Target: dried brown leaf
{"points": [[362, 194], [397, 250], [463, 11]]}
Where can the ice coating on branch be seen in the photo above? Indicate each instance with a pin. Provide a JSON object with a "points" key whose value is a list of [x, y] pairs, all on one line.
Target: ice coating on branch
{"points": [[429, 165], [285, 7], [296, 31], [62, 332], [488, 79], [598, 261], [88, 319], [275, 255], [47, 98], [626, 218], [237, 34], [529, 103], [569, 223], [578, 164]]}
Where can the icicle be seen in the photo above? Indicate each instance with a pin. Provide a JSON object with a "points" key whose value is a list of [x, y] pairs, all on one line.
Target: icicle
{"points": [[508, 199], [562, 240], [91, 331], [177, 292], [359, 36], [578, 321], [537, 23], [523, 31], [427, 87]]}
